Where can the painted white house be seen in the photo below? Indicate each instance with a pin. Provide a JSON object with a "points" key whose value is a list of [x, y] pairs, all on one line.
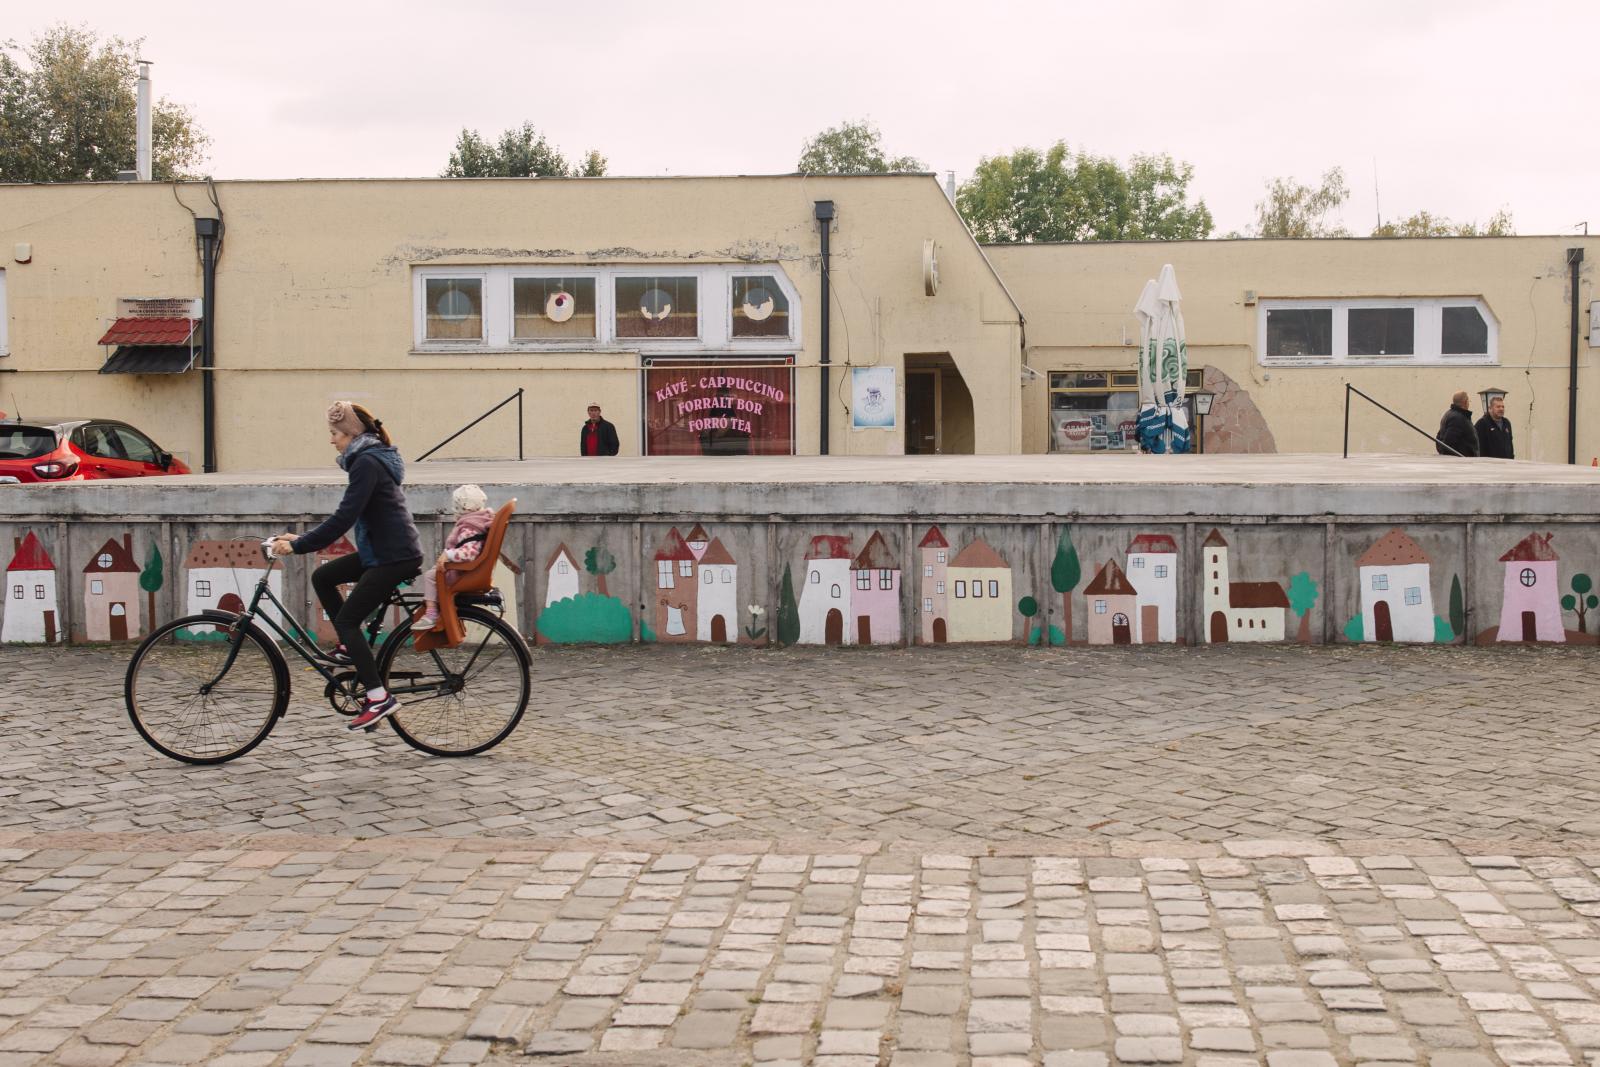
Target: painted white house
{"points": [[717, 614], [981, 608], [1153, 570], [1396, 590], [31, 614], [1237, 611], [934, 609], [1530, 602], [562, 575], [825, 596], [222, 575]]}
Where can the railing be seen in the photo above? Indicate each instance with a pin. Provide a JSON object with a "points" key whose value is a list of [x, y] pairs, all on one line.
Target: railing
{"points": [[517, 396], [1348, 389]]}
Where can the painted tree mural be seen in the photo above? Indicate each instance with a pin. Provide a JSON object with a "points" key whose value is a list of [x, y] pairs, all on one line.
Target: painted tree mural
{"points": [[1302, 598], [1581, 600], [788, 621], [1029, 607], [1458, 608], [599, 562], [150, 580], [1065, 573]]}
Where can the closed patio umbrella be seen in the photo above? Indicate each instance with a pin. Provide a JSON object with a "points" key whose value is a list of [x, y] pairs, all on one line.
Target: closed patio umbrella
{"points": [[1163, 366]]}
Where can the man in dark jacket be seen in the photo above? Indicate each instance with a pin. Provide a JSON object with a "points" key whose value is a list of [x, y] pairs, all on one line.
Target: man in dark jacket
{"points": [[598, 437], [1494, 432], [1455, 429]]}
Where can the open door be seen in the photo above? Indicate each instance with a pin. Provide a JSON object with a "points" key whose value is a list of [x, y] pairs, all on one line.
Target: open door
{"points": [[922, 412]]}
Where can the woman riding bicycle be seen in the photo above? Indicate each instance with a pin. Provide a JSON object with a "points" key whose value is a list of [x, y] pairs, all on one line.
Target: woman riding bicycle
{"points": [[388, 550]]}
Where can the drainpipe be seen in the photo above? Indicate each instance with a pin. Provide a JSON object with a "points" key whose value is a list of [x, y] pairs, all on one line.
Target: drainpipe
{"points": [[824, 216], [1574, 258], [206, 232]]}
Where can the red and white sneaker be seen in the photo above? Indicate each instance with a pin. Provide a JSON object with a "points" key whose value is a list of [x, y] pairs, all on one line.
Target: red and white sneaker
{"points": [[373, 712]]}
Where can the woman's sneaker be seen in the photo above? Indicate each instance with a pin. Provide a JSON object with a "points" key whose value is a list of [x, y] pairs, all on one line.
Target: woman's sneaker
{"points": [[373, 712], [338, 654]]}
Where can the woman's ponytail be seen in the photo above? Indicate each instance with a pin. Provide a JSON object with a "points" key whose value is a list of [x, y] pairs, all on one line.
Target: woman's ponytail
{"points": [[370, 424]]}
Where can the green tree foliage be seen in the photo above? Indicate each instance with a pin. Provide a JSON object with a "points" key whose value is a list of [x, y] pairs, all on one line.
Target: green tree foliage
{"points": [[521, 152], [788, 611], [1292, 209], [68, 113], [599, 562], [1054, 195], [588, 618], [1443, 632], [150, 579], [1302, 598], [1581, 600], [1065, 573], [1029, 607], [852, 148], [1355, 629], [1458, 608], [1426, 224]]}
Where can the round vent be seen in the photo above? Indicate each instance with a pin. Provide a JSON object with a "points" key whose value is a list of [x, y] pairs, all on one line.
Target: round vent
{"points": [[758, 304], [930, 267], [655, 304], [560, 306]]}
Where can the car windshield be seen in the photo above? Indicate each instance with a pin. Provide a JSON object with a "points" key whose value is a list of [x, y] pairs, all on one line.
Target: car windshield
{"points": [[26, 442]]}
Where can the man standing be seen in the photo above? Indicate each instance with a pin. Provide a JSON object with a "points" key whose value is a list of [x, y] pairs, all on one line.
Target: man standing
{"points": [[599, 437], [1494, 432], [1455, 429]]}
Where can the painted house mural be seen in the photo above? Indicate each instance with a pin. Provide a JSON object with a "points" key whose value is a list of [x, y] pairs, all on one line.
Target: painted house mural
{"points": [[980, 602], [1396, 591], [562, 575], [321, 625], [1153, 570], [1530, 605], [875, 594], [676, 594], [31, 613], [717, 598], [111, 593], [824, 593], [572, 616], [1113, 607], [1238, 611], [934, 553], [222, 575]]}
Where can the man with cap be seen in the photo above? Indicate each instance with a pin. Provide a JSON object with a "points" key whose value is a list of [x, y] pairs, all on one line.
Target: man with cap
{"points": [[598, 437], [1494, 432]]}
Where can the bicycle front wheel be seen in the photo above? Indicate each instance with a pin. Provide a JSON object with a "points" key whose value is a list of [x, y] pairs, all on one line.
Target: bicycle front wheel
{"points": [[194, 700], [458, 701]]}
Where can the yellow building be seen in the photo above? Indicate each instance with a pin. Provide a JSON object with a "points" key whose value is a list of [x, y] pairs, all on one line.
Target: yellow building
{"points": [[695, 312]]}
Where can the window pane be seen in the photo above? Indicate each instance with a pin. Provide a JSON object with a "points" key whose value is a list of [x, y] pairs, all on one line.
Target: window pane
{"points": [[658, 307], [1094, 422], [759, 308], [1381, 331], [1465, 332], [710, 411], [1080, 379], [1299, 332], [454, 308], [552, 307], [135, 445]]}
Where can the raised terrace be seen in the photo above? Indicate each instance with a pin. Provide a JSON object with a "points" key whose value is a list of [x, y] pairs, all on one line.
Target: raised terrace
{"points": [[897, 550]]}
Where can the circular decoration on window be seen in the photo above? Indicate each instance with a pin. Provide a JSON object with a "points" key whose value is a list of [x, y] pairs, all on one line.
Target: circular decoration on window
{"points": [[453, 305], [758, 304], [655, 304], [560, 306]]}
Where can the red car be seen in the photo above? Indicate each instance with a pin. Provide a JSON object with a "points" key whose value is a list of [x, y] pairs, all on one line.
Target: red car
{"points": [[74, 450]]}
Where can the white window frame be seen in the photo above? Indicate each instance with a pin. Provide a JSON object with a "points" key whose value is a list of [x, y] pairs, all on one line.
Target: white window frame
{"points": [[885, 578], [96, 587], [994, 588], [686, 568], [1427, 335], [762, 343], [863, 579], [1413, 595], [419, 308], [927, 604], [664, 574], [508, 302], [1380, 583], [38, 592]]}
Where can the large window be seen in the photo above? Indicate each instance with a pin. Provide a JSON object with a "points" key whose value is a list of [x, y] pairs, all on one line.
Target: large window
{"points": [[702, 409], [546, 309], [1097, 410], [759, 307], [453, 309], [1377, 332], [658, 306]]}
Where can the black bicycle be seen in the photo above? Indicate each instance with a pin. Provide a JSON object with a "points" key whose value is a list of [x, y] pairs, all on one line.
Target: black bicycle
{"points": [[208, 688]]}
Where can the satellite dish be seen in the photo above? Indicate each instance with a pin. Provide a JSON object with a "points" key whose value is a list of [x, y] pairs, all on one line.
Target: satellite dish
{"points": [[655, 305], [560, 306], [930, 267], [758, 304]]}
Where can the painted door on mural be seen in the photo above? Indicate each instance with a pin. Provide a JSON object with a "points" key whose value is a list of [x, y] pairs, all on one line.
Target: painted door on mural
{"points": [[1149, 623], [231, 602], [1382, 623], [1121, 634], [49, 627], [864, 630], [1530, 626], [119, 622], [833, 628], [719, 628], [938, 631], [1219, 628]]}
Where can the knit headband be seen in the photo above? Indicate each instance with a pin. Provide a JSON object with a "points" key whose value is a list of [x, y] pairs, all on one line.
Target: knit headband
{"points": [[342, 417]]}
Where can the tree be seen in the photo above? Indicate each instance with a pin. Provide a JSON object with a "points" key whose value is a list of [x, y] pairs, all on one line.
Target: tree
{"points": [[1581, 600], [521, 152], [1295, 210], [150, 579], [1426, 224], [852, 148], [1029, 607], [1302, 598], [788, 611], [68, 113], [1458, 608], [599, 562], [1056, 196], [1065, 573]]}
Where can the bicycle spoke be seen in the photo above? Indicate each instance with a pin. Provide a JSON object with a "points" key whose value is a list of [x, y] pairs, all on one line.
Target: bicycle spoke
{"points": [[173, 707]]}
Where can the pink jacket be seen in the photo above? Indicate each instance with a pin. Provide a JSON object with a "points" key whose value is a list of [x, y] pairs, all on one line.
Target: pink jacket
{"points": [[472, 524]]}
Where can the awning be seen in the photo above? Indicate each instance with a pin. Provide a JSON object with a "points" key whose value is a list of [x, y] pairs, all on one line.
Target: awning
{"points": [[151, 359], [139, 331]]}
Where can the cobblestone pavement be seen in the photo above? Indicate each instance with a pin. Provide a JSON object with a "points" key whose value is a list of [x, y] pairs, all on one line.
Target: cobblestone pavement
{"points": [[1296, 857]]}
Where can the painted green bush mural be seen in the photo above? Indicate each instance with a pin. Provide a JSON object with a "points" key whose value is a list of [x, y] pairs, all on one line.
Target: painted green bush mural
{"points": [[586, 618], [1302, 598], [788, 620]]}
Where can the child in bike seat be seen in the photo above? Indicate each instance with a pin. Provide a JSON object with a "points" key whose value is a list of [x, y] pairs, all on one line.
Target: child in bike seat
{"points": [[464, 542]]}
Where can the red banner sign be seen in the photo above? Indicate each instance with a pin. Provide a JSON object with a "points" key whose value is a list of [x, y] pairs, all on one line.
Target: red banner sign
{"points": [[712, 411]]}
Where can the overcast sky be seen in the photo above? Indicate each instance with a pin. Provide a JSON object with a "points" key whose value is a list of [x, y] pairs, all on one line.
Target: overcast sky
{"points": [[1460, 107]]}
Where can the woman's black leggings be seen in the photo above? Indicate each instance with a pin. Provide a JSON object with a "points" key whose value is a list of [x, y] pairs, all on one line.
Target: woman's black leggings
{"points": [[373, 586]]}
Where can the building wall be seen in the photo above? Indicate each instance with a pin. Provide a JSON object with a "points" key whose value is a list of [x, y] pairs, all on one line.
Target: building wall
{"points": [[314, 302], [1078, 302]]}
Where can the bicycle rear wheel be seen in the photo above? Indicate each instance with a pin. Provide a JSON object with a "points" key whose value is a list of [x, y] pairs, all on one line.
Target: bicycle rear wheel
{"points": [[458, 701], [191, 704]]}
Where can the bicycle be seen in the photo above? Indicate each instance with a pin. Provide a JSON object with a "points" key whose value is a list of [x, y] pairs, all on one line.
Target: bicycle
{"points": [[208, 688]]}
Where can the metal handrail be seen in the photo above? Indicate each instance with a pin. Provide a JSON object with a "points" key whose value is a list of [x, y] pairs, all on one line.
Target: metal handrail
{"points": [[517, 396], [1348, 389]]}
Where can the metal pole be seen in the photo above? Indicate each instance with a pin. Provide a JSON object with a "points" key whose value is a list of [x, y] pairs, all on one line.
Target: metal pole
{"points": [[824, 215], [1347, 388], [207, 230], [1574, 257], [1392, 414], [519, 423]]}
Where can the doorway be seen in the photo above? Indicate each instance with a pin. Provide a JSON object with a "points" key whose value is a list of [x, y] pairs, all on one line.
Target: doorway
{"points": [[1149, 624], [922, 412], [1121, 634], [1219, 628], [119, 622], [49, 627], [939, 637], [863, 629], [1382, 623], [938, 418], [1530, 626], [833, 627], [719, 628]]}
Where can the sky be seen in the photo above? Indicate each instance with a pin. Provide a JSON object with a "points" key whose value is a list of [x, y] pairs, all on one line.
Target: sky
{"points": [[1459, 108]]}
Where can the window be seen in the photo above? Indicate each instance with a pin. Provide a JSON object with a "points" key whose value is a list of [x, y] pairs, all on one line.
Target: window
{"points": [[658, 306], [961, 590], [977, 590], [941, 555], [938, 587], [994, 588], [1414, 595], [927, 604], [16, 592], [835, 592], [1251, 625], [562, 568], [727, 576], [863, 579], [1097, 410], [815, 577], [885, 579], [1380, 582], [1099, 607], [103, 561], [453, 309], [759, 307], [1161, 570], [1137, 562], [664, 579], [706, 577], [1528, 577], [686, 568], [38, 592], [1459, 330], [1119, 619], [553, 309], [202, 587], [96, 587]]}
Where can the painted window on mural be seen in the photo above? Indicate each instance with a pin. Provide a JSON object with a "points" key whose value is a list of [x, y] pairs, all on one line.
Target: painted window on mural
{"points": [[546, 309], [863, 579], [1097, 410], [686, 568], [927, 604], [453, 309], [885, 579], [835, 592], [664, 579], [994, 588], [38, 592], [1528, 577], [940, 555], [1414, 595], [1161, 570], [707, 410], [96, 587], [1377, 332], [759, 307], [658, 306], [977, 590], [1099, 607], [1380, 582], [16, 592], [202, 587], [961, 590]]}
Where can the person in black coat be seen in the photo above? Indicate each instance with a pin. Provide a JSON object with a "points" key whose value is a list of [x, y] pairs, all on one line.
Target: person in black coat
{"points": [[598, 437], [1494, 432], [1455, 429]]}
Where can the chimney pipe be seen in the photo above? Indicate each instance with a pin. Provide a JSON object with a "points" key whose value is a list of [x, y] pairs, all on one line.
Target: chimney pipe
{"points": [[142, 159], [950, 185]]}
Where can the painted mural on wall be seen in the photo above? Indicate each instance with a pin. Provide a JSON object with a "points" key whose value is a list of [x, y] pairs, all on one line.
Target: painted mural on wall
{"points": [[1232, 610], [222, 576], [112, 593], [848, 597], [31, 613], [1534, 604], [965, 596], [1395, 589], [574, 616]]}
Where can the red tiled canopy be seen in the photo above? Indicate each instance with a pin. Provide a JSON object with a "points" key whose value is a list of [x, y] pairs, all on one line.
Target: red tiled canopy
{"points": [[150, 332]]}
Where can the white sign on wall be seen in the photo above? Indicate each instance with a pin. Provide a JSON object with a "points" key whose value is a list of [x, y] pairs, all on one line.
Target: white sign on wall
{"points": [[138, 307], [872, 398]]}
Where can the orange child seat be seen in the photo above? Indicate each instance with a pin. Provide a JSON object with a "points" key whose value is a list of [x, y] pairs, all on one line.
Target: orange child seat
{"points": [[469, 576]]}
